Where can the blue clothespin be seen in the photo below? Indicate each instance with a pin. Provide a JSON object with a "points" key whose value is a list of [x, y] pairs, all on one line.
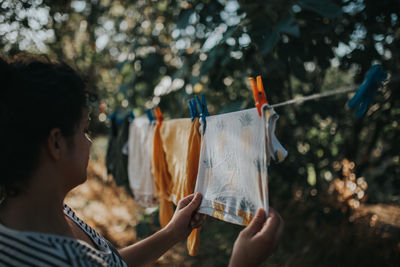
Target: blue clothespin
{"points": [[131, 116], [367, 90], [113, 116], [194, 113], [203, 110], [116, 117], [149, 115]]}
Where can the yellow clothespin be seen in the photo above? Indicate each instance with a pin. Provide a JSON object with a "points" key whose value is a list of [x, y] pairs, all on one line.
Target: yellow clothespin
{"points": [[258, 93]]}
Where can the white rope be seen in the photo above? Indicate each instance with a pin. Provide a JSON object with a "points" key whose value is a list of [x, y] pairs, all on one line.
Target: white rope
{"points": [[314, 96]]}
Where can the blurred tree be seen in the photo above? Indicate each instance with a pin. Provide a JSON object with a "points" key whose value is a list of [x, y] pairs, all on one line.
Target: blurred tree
{"points": [[140, 54]]}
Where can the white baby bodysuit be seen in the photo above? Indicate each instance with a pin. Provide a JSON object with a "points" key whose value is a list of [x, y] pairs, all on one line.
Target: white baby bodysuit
{"points": [[235, 152], [140, 149]]}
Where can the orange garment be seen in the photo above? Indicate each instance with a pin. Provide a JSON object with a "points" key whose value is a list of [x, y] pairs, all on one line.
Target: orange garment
{"points": [[180, 141], [162, 179]]}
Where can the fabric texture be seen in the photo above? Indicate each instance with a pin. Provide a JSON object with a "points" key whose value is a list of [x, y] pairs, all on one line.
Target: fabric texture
{"points": [[116, 160], [236, 149], [178, 156], [22, 248], [112, 140], [162, 179], [140, 173]]}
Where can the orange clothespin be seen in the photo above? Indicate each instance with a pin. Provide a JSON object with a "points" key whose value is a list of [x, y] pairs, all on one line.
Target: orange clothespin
{"points": [[159, 115], [258, 93]]}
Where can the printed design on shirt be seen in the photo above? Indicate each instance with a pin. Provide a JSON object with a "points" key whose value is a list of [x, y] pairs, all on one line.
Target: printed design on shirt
{"points": [[232, 172], [218, 210], [247, 217], [246, 136], [279, 155], [221, 136], [247, 205], [208, 164]]}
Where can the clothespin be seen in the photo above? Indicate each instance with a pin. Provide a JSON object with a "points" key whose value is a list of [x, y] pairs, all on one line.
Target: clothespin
{"points": [[159, 115], [258, 93], [203, 110], [117, 117], [131, 116], [194, 113], [149, 115], [367, 90]]}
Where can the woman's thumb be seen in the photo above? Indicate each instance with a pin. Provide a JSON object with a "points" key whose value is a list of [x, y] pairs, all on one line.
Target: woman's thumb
{"points": [[194, 204], [257, 223]]}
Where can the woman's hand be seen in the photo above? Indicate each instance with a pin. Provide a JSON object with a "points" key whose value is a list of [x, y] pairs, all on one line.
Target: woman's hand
{"points": [[185, 218], [182, 223], [258, 240]]}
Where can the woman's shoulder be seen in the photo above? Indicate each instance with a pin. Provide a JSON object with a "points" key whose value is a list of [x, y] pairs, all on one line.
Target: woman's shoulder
{"points": [[92, 233], [18, 248]]}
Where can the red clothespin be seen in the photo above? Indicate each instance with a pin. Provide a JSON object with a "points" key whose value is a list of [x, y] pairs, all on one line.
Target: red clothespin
{"points": [[159, 115], [258, 93]]}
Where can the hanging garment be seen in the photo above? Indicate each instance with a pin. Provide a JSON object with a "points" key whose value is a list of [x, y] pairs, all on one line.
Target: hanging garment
{"points": [[162, 179], [116, 160], [140, 149], [176, 157], [112, 140], [236, 150]]}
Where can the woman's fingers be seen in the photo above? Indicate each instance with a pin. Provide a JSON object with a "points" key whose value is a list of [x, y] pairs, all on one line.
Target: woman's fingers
{"points": [[197, 220], [273, 227], [185, 201]]}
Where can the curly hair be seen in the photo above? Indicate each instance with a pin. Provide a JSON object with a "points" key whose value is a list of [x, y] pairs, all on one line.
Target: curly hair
{"points": [[36, 95]]}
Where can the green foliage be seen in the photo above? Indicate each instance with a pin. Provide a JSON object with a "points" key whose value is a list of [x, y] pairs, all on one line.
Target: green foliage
{"points": [[140, 54]]}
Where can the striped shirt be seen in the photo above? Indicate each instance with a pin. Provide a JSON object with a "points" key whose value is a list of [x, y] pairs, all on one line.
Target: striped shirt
{"points": [[22, 248]]}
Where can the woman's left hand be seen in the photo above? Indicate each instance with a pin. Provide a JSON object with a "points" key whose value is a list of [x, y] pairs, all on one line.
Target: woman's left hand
{"points": [[186, 217]]}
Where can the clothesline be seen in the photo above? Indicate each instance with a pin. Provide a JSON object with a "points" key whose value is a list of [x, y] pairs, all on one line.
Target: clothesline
{"points": [[314, 96]]}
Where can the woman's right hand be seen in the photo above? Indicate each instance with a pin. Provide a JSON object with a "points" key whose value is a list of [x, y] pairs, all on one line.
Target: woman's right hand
{"points": [[258, 240]]}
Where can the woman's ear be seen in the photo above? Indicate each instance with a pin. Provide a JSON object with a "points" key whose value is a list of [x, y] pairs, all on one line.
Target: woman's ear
{"points": [[55, 143]]}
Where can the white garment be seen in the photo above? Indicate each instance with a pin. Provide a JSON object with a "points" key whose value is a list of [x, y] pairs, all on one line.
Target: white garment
{"points": [[140, 149], [235, 152]]}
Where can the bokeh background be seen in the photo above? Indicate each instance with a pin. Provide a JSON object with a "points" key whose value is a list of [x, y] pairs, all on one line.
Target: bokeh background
{"points": [[339, 189]]}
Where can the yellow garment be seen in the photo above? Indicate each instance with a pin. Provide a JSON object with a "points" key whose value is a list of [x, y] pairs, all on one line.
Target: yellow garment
{"points": [[180, 141], [193, 241], [162, 179]]}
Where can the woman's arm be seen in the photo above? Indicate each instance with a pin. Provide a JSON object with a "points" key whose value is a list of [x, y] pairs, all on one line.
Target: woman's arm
{"points": [[181, 225]]}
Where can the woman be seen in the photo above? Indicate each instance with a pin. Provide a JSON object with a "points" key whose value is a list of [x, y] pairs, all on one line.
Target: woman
{"points": [[44, 154]]}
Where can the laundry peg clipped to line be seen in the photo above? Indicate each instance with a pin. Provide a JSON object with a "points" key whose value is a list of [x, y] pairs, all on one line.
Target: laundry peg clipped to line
{"points": [[131, 116], [159, 115], [194, 113], [258, 93], [149, 115], [203, 110], [364, 95]]}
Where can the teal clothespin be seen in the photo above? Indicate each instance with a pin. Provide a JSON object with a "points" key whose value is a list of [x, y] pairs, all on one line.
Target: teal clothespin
{"points": [[367, 90], [149, 115], [203, 110], [131, 116], [194, 113]]}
